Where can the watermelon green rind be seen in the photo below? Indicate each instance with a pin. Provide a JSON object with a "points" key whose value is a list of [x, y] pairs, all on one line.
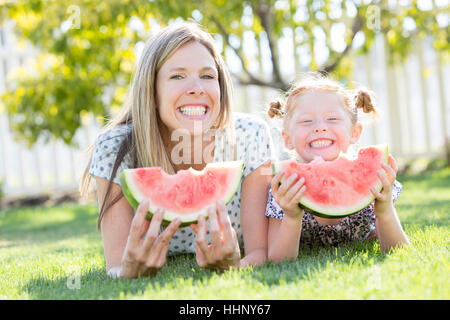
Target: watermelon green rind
{"points": [[325, 212], [134, 197]]}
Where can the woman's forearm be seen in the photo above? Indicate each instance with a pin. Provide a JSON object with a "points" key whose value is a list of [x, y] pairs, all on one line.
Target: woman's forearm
{"points": [[256, 257]]}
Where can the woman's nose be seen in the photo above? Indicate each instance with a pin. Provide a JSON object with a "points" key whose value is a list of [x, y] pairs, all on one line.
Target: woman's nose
{"points": [[195, 88]]}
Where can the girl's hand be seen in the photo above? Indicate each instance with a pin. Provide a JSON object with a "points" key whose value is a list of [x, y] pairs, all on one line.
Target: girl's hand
{"points": [[288, 194], [223, 252], [145, 257], [387, 175]]}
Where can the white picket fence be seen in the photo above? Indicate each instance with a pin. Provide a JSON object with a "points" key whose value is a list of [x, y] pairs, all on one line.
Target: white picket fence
{"points": [[412, 97]]}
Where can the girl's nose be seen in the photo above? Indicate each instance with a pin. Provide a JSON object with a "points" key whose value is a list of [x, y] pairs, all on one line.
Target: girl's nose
{"points": [[320, 129]]}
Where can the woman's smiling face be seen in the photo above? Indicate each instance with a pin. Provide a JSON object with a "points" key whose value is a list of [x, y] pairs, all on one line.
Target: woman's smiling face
{"points": [[320, 126], [188, 91]]}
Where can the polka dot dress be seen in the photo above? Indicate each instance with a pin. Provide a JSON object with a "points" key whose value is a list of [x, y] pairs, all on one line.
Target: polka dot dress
{"points": [[254, 147]]}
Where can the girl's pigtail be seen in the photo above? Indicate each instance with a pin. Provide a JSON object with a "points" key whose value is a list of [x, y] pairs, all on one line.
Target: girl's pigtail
{"points": [[275, 110], [364, 101]]}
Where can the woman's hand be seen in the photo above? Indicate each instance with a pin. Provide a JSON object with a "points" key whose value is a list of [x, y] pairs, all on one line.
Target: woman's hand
{"points": [[387, 176], [145, 257], [223, 252], [288, 194]]}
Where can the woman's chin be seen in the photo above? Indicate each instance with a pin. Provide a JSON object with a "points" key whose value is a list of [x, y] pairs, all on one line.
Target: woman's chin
{"points": [[192, 128]]}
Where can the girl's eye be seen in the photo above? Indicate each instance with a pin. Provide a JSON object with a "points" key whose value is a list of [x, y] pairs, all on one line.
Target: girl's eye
{"points": [[176, 76], [305, 121], [333, 118]]}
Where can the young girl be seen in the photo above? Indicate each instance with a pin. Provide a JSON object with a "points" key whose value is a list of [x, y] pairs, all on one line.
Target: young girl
{"points": [[181, 89], [320, 120]]}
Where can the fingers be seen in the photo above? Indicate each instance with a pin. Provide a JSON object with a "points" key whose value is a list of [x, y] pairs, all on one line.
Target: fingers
{"points": [[384, 179], [153, 230], [296, 198], [292, 191], [287, 184], [194, 227], [223, 238], [159, 250], [393, 163], [376, 193], [139, 225], [275, 184], [214, 229], [225, 223], [389, 171], [202, 246]]}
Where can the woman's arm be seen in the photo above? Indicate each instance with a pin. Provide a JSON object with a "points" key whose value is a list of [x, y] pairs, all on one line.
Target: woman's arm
{"points": [[254, 224], [115, 225], [127, 254]]}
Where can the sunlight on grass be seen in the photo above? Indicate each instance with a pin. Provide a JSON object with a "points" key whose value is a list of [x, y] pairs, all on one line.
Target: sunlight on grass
{"points": [[57, 253]]}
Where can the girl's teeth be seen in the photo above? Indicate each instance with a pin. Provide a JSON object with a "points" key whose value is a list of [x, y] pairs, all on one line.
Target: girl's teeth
{"points": [[193, 111], [320, 143]]}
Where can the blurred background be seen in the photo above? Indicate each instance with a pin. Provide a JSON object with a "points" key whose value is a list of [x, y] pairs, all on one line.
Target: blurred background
{"points": [[65, 67]]}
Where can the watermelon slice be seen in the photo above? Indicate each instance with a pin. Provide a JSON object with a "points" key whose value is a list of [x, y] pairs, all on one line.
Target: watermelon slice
{"points": [[186, 194], [338, 188]]}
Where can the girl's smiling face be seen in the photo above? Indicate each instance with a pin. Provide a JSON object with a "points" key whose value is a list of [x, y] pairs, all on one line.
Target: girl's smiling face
{"points": [[188, 92], [320, 126]]}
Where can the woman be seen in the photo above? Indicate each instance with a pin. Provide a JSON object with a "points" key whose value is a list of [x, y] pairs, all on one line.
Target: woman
{"points": [[181, 88]]}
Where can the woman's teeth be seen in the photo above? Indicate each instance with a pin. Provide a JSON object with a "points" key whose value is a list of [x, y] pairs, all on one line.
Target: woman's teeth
{"points": [[320, 143], [193, 111]]}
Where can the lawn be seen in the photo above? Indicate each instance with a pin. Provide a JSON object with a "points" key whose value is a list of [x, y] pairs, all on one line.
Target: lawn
{"points": [[57, 253]]}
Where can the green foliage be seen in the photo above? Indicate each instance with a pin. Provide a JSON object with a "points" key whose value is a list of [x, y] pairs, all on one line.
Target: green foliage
{"points": [[86, 48]]}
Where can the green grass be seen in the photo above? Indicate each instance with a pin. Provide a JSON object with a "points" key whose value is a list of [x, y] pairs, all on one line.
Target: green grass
{"points": [[42, 250]]}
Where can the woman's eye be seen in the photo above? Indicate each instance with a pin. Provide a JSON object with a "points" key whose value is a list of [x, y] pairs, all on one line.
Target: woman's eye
{"points": [[306, 121], [208, 76], [176, 76], [333, 118]]}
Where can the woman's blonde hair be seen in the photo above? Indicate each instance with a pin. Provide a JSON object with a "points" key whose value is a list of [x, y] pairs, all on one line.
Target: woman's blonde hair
{"points": [[360, 98], [140, 107]]}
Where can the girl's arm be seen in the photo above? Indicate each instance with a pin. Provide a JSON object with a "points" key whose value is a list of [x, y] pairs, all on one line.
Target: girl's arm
{"points": [[284, 238], [254, 192], [389, 230], [284, 235]]}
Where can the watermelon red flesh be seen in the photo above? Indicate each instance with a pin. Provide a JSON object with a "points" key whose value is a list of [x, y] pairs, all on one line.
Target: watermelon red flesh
{"points": [[186, 194], [341, 187]]}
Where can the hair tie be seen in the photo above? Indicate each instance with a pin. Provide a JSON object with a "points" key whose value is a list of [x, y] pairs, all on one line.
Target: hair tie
{"points": [[275, 110]]}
